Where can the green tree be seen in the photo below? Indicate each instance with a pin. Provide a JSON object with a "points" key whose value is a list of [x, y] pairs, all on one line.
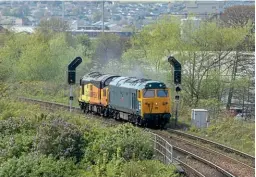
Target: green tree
{"points": [[205, 52], [85, 41]]}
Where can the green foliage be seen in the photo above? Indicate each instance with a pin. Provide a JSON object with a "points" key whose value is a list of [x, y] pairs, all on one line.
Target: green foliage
{"points": [[33, 165], [60, 139], [43, 144], [16, 136], [237, 134], [39, 56], [15, 125], [132, 142], [119, 167], [148, 168], [16, 145], [49, 91]]}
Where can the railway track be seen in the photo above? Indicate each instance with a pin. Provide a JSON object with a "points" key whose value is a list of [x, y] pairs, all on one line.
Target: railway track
{"points": [[222, 165], [52, 106], [247, 159], [197, 160]]}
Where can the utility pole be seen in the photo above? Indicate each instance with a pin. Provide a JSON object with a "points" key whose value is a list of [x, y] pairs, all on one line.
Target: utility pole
{"points": [[103, 16], [63, 10]]}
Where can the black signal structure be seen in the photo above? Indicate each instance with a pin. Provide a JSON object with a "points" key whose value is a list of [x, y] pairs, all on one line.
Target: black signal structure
{"points": [[177, 88], [177, 81], [72, 77], [72, 70], [177, 69]]}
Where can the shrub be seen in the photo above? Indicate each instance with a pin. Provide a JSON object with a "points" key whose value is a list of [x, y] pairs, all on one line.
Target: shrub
{"points": [[15, 145], [15, 125], [60, 139], [33, 165], [148, 168], [132, 141]]}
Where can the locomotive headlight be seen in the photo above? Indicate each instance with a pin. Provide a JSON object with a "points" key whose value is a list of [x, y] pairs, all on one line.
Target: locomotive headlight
{"points": [[156, 103]]}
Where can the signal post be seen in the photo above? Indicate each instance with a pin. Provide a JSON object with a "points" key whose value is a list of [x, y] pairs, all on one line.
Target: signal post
{"points": [[177, 81], [72, 78]]}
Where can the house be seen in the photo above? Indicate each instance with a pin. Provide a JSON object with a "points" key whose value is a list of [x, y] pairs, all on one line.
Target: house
{"points": [[23, 29], [203, 8], [22, 21]]}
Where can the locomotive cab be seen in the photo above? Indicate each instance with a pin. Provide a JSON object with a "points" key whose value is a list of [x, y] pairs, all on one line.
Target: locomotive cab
{"points": [[155, 103]]}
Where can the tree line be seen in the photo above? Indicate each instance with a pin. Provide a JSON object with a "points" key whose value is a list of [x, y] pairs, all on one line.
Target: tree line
{"points": [[214, 55]]}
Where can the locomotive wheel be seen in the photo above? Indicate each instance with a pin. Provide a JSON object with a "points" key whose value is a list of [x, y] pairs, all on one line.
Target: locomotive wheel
{"points": [[105, 113], [86, 109], [116, 115]]}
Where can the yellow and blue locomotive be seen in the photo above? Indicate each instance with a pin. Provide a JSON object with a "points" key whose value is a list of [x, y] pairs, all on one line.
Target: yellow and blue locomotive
{"points": [[140, 101]]}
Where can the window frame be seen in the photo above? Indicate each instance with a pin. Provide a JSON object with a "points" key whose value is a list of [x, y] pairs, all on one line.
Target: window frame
{"points": [[151, 90], [166, 91]]}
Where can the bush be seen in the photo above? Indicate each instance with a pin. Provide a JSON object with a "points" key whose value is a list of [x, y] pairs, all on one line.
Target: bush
{"points": [[15, 125], [15, 145], [132, 141], [34, 165], [143, 168], [60, 139], [146, 168]]}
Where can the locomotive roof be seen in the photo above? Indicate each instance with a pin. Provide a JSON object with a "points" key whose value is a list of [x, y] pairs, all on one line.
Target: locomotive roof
{"points": [[101, 80], [96, 78], [132, 82]]}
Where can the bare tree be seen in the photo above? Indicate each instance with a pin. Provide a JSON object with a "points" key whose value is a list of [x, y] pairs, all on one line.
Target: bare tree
{"points": [[238, 15], [53, 24]]}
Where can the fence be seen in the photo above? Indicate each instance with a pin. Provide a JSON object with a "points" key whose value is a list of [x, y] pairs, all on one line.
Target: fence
{"points": [[163, 150]]}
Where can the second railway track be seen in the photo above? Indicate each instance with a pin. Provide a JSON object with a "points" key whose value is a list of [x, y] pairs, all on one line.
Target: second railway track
{"points": [[247, 159], [222, 163], [195, 160]]}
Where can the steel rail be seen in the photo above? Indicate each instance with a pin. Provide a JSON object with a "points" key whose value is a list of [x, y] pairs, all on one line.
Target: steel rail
{"points": [[221, 170], [48, 102], [226, 148], [190, 168], [213, 151], [226, 173]]}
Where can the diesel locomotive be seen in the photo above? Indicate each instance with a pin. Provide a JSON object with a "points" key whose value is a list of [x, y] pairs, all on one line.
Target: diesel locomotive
{"points": [[140, 101]]}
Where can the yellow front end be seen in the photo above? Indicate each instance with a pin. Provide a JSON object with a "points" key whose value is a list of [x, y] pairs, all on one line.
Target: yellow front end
{"points": [[155, 101], [155, 106]]}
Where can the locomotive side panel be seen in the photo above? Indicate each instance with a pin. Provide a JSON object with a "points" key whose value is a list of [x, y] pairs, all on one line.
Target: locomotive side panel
{"points": [[94, 94], [123, 99], [104, 96]]}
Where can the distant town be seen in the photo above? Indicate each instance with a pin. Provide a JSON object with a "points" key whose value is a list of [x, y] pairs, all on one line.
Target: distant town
{"points": [[118, 16]]}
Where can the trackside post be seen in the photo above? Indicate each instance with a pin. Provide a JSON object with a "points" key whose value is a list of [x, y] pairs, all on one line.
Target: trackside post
{"points": [[72, 78], [177, 81]]}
